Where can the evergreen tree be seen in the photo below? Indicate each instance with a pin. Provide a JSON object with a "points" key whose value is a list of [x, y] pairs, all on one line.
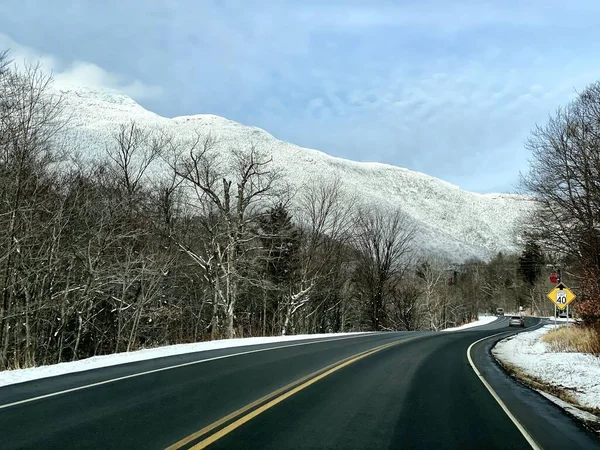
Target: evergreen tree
{"points": [[531, 262], [281, 241]]}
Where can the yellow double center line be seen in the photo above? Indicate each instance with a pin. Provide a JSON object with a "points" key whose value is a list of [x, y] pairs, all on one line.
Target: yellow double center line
{"points": [[270, 400]]}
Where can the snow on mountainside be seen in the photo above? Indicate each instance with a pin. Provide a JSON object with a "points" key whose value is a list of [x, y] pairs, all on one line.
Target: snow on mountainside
{"points": [[451, 221]]}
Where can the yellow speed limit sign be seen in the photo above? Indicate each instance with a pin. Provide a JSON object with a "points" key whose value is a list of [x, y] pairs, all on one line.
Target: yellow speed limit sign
{"points": [[561, 296]]}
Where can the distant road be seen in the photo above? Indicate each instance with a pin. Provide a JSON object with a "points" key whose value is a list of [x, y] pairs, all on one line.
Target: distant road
{"points": [[383, 390]]}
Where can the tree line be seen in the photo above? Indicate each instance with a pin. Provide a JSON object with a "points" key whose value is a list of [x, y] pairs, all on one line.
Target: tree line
{"points": [[112, 254], [564, 177]]}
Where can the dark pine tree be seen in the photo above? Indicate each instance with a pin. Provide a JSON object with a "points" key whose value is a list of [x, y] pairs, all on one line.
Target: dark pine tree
{"points": [[531, 262], [281, 239]]}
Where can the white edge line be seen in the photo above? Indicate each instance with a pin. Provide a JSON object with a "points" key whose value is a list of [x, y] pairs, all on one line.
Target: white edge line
{"points": [[162, 369], [510, 415]]}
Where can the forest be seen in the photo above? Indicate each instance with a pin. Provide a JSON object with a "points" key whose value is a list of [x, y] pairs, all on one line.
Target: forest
{"points": [[108, 255]]}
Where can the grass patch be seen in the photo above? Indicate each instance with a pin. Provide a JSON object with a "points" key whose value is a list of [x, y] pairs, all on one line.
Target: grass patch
{"points": [[571, 339]]}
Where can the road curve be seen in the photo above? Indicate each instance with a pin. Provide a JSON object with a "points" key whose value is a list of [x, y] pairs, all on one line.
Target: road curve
{"points": [[381, 390]]}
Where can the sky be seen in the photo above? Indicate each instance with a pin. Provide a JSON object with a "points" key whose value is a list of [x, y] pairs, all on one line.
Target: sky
{"points": [[447, 87]]}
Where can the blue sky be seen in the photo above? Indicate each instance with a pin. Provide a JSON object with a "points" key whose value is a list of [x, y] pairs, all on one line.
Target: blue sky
{"points": [[449, 88]]}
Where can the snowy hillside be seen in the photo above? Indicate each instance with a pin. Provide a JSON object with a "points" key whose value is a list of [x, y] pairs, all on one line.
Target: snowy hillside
{"points": [[451, 221]]}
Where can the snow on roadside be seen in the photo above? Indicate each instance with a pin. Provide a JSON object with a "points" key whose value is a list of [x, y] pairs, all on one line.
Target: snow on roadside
{"points": [[583, 415], [21, 375], [562, 320], [577, 373], [481, 320]]}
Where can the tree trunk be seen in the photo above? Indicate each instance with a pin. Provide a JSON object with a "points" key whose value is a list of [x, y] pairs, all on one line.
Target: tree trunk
{"points": [[286, 320], [214, 325], [231, 285], [78, 339], [136, 321], [6, 297], [230, 316], [28, 357], [264, 313]]}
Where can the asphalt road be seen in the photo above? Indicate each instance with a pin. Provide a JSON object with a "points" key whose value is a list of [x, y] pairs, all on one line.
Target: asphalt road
{"points": [[382, 390]]}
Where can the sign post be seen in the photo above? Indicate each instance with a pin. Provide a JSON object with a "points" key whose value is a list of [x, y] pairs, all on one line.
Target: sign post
{"points": [[561, 296]]}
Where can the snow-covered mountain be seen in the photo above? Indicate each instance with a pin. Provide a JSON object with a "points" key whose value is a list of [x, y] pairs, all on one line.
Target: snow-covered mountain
{"points": [[451, 221]]}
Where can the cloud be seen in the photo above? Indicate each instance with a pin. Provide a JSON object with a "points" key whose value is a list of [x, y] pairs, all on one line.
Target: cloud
{"points": [[90, 75], [448, 88], [463, 120], [79, 73], [438, 16]]}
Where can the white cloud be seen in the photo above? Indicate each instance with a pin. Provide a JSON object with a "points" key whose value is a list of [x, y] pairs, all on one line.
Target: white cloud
{"points": [[78, 73], [449, 88], [464, 120], [90, 75], [437, 16]]}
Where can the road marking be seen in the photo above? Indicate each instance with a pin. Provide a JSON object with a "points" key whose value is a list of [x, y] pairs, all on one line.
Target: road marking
{"points": [[275, 398], [510, 415], [176, 366], [236, 413]]}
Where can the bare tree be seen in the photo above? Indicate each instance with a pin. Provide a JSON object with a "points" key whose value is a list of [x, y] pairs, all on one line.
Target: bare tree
{"points": [[405, 309], [325, 217], [384, 249], [133, 152], [230, 197], [30, 118], [433, 274], [565, 178]]}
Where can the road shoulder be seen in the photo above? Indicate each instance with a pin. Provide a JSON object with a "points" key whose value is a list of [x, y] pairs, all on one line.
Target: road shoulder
{"points": [[546, 422], [562, 378]]}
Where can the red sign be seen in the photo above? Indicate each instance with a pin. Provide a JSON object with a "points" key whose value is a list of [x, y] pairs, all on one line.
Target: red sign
{"points": [[553, 277]]}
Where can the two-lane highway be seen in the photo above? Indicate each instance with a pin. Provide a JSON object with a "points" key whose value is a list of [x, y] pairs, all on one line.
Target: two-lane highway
{"points": [[380, 390]]}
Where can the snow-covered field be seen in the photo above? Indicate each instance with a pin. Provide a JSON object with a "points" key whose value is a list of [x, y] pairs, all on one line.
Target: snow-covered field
{"points": [[450, 221], [19, 376], [481, 320], [577, 373]]}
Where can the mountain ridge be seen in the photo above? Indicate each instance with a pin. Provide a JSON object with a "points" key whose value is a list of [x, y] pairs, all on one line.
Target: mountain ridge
{"points": [[452, 222]]}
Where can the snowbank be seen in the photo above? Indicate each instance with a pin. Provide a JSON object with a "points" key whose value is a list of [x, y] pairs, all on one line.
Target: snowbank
{"points": [[583, 415], [21, 375], [481, 320], [577, 373]]}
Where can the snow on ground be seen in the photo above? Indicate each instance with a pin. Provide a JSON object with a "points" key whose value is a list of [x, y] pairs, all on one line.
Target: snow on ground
{"points": [[577, 373], [21, 375], [563, 320], [584, 415], [481, 320]]}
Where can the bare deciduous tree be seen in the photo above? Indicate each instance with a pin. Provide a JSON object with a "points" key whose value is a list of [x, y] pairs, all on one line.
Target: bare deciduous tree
{"points": [[29, 120], [133, 152], [405, 309], [433, 274], [325, 216], [565, 179], [230, 197], [383, 242]]}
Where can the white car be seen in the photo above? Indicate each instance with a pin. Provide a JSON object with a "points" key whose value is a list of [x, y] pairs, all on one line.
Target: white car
{"points": [[516, 321]]}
